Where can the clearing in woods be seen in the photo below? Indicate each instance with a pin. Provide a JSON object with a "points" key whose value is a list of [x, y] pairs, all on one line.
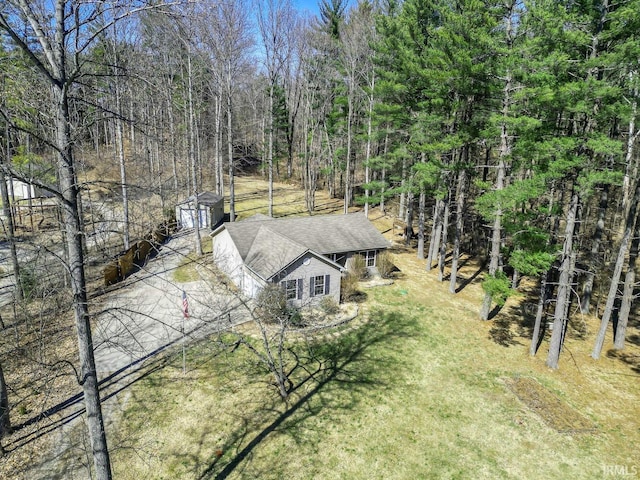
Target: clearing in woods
{"points": [[416, 387]]}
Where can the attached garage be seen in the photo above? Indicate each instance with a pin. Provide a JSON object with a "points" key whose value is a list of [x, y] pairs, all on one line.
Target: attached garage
{"points": [[211, 210]]}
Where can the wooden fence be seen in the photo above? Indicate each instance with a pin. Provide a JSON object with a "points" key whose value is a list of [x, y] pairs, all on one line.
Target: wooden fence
{"points": [[138, 254]]}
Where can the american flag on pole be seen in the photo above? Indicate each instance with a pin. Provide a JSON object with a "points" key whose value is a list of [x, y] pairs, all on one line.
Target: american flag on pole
{"points": [[185, 305]]}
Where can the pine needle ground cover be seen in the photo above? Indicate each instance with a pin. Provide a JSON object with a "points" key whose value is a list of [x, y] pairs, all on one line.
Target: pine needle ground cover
{"points": [[419, 388]]}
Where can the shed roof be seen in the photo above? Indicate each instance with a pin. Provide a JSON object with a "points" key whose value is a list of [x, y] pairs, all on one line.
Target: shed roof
{"points": [[204, 198]]}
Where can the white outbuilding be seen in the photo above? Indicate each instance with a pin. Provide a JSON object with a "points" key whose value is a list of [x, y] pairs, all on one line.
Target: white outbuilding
{"points": [[210, 206]]}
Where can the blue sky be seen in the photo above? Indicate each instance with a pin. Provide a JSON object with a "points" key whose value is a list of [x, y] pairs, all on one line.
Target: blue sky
{"points": [[310, 6]]}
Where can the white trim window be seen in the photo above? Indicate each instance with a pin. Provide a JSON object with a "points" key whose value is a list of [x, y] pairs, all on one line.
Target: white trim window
{"points": [[292, 288], [370, 258], [319, 285]]}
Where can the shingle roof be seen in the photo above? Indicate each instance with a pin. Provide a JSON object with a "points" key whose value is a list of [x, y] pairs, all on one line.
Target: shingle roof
{"points": [[204, 198], [324, 234], [272, 253]]}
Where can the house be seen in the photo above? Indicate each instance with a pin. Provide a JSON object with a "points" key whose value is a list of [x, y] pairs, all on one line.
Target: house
{"points": [[210, 205], [306, 255]]}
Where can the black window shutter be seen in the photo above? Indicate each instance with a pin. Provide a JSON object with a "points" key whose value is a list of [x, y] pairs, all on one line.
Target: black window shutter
{"points": [[311, 286], [327, 279], [300, 282]]}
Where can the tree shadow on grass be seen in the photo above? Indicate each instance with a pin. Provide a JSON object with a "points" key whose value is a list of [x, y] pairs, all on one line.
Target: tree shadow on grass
{"points": [[467, 281], [332, 376], [513, 322]]}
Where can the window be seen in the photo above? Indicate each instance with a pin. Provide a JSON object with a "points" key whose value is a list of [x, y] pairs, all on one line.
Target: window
{"points": [[291, 289], [318, 285], [370, 258]]}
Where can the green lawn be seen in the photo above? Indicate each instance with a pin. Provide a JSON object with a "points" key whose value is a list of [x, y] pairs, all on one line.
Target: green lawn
{"points": [[417, 387], [407, 394]]}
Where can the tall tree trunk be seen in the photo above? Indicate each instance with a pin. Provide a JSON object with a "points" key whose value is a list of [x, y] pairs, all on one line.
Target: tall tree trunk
{"points": [[218, 147], [408, 231], [348, 181], [504, 152], [617, 272], [436, 231], [74, 233], [403, 195], [119, 128], [627, 291], [192, 152], [270, 147], [443, 244], [537, 326], [457, 237], [564, 286], [631, 169], [421, 214], [587, 287], [5, 419], [172, 135], [232, 188], [9, 229], [367, 168]]}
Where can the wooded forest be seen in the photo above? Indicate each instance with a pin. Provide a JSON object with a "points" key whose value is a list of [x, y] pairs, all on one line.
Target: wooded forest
{"points": [[504, 130]]}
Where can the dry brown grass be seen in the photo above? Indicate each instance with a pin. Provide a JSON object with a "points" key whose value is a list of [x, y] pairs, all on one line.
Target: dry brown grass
{"points": [[554, 412], [435, 405], [426, 399]]}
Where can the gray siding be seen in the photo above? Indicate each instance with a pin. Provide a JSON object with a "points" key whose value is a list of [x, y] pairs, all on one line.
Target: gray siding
{"points": [[306, 270]]}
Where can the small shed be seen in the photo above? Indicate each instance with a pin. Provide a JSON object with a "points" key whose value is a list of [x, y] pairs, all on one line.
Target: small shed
{"points": [[211, 208]]}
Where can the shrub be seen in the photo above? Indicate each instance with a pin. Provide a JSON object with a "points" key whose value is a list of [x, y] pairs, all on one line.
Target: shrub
{"points": [[28, 282], [271, 304], [329, 305], [273, 307], [349, 287], [385, 265], [358, 267]]}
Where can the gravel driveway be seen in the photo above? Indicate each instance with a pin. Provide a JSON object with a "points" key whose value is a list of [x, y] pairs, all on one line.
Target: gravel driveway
{"points": [[145, 316], [140, 318]]}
